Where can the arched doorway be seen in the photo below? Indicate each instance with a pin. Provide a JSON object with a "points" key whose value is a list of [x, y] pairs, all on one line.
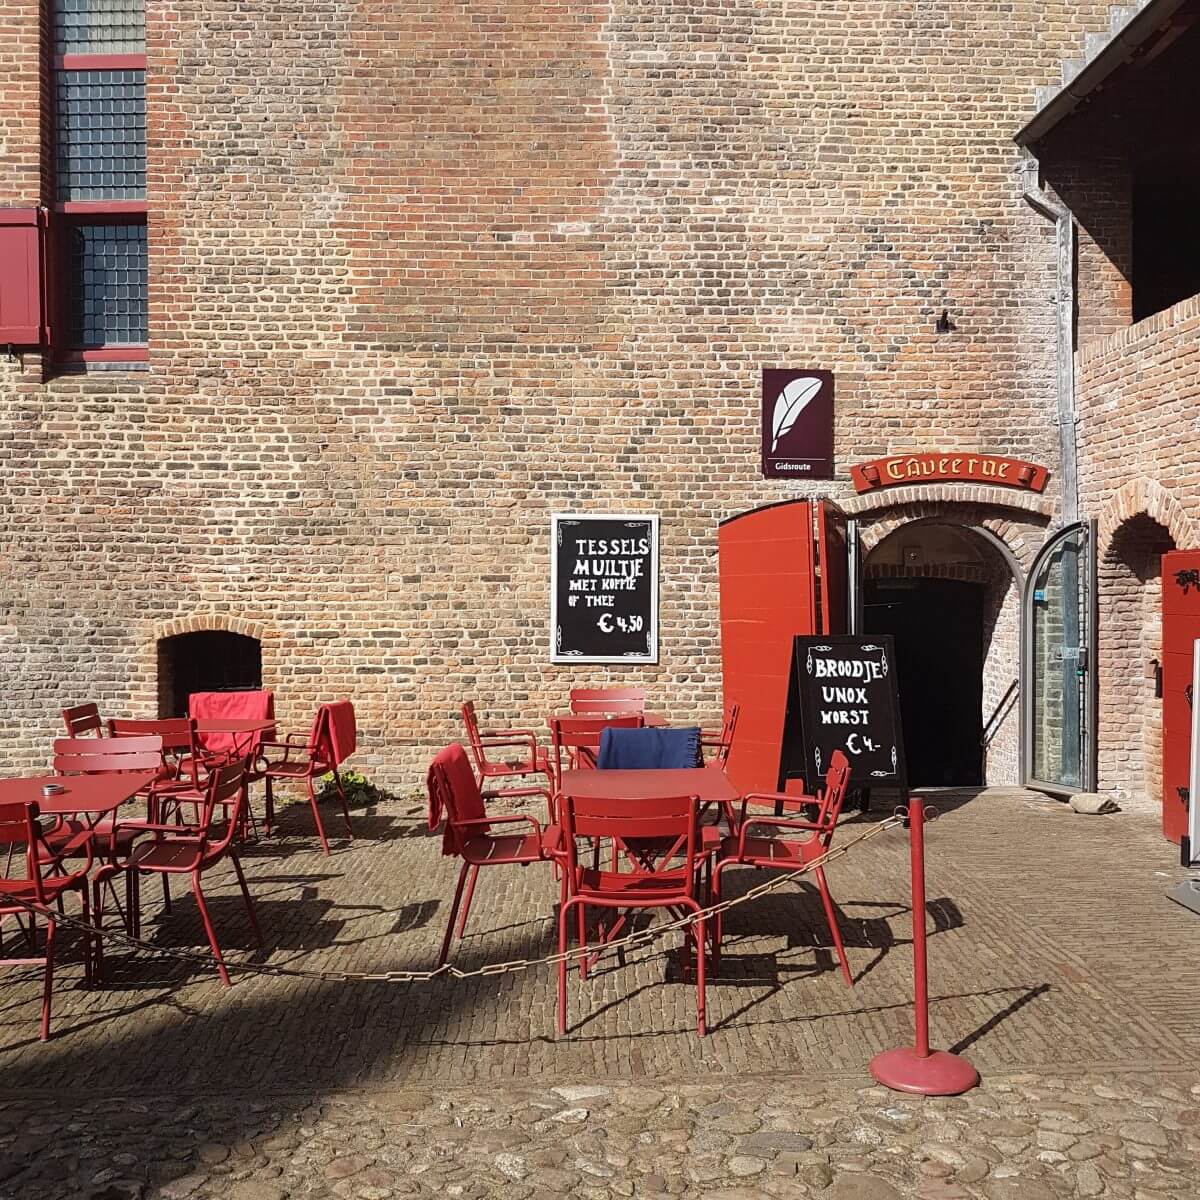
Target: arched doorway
{"points": [[1130, 645], [209, 660], [950, 596]]}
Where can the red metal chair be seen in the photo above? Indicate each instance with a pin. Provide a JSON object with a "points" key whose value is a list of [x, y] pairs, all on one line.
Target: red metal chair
{"points": [[185, 850], [580, 738], [241, 705], [83, 720], [331, 740], [533, 761], [669, 879], [20, 825], [455, 799], [785, 851], [720, 743], [589, 701]]}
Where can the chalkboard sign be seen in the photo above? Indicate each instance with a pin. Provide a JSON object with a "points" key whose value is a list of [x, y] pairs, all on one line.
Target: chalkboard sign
{"points": [[843, 696], [603, 588]]}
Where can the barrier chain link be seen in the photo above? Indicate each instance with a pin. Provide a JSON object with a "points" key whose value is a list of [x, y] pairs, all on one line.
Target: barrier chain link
{"points": [[596, 952]]}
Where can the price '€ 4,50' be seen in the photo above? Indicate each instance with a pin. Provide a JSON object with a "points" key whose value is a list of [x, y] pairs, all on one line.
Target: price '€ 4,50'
{"points": [[607, 623]]}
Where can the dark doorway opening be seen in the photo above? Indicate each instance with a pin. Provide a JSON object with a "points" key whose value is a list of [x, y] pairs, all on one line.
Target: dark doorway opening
{"points": [[209, 661], [938, 625]]}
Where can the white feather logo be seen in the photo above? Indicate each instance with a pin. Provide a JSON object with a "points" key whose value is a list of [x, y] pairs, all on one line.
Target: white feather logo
{"points": [[793, 400]]}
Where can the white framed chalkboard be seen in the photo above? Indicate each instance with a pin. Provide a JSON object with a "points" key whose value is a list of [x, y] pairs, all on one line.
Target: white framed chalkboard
{"points": [[603, 588]]}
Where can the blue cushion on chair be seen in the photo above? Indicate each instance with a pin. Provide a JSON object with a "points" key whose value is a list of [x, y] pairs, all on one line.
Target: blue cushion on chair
{"points": [[649, 749]]}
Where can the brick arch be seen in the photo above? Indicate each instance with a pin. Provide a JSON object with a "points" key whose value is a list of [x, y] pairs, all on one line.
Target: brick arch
{"points": [[1020, 530], [202, 622], [1145, 497]]}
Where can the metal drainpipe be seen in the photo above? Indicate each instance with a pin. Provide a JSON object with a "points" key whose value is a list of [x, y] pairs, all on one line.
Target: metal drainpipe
{"points": [[1054, 210]]}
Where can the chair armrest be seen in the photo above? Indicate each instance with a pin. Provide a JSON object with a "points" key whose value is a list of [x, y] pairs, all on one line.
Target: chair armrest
{"points": [[747, 823], [506, 733], [484, 822], [179, 833], [489, 742], [529, 791]]}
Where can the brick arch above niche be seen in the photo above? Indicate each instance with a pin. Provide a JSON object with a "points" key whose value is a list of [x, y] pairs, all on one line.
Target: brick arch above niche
{"points": [[203, 622], [1146, 497], [1017, 519]]}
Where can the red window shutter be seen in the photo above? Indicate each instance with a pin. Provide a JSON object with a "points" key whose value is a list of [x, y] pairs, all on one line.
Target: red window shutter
{"points": [[21, 277]]}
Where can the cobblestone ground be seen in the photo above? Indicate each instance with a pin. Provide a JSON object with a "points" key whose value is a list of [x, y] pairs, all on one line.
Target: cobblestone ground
{"points": [[1057, 965]]}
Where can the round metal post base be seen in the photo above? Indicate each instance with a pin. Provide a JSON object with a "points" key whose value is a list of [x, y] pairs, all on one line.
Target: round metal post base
{"points": [[940, 1074]]}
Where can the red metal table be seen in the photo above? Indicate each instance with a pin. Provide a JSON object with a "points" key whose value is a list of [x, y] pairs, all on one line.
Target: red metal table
{"points": [[649, 718], [95, 796]]}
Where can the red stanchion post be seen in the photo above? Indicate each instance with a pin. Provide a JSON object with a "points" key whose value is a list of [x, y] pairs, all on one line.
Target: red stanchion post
{"points": [[916, 1068]]}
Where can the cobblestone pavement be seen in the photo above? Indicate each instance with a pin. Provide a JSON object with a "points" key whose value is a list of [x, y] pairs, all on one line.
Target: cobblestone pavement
{"points": [[1057, 965]]}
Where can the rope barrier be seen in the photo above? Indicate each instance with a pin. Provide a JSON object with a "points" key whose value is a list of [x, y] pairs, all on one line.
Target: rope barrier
{"points": [[602, 950]]}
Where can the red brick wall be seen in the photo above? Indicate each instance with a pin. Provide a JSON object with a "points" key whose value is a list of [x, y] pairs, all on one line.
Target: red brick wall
{"points": [[1139, 396], [424, 273]]}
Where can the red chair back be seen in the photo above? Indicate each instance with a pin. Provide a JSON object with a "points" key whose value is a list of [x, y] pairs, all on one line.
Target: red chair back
{"points": [[580, 737], [837, 782], [474, 740], [249, 705], [454, 796], [19, 826], [225, 800], [83, 721], [671, 824], [725, 744], [608, 700], [93, 756], [342, 730]]}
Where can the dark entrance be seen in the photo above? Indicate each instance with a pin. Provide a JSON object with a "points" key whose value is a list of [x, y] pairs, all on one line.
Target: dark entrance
{"points": [[939, 630], [210, 661]]}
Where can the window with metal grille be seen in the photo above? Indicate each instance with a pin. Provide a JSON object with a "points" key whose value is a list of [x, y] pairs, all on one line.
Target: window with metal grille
{"points": [[101, 130], [99, 93], [99, 27], [107, 285]]}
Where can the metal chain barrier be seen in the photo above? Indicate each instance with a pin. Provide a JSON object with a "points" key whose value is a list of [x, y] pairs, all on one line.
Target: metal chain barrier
{"points": [[602, 950]]}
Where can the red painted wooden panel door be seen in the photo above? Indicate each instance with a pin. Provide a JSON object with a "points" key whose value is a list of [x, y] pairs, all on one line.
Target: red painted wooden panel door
{"points": [[20, 277], [1180, 628], [831, 551], [768, 596]]}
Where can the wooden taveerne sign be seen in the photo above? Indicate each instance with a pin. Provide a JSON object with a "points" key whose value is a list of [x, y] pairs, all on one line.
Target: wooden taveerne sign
{"points": [[603, 588], [948, 466], [843, 695]]}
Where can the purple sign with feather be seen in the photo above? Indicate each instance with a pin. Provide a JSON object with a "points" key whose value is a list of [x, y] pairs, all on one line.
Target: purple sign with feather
{"points": [[797, 424]]}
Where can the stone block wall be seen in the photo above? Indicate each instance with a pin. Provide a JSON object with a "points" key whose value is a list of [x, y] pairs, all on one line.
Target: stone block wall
{"points": [[422, 274]]}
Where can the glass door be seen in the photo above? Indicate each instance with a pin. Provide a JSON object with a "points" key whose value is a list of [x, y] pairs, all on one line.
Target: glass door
{"points": [[1059, 675]]}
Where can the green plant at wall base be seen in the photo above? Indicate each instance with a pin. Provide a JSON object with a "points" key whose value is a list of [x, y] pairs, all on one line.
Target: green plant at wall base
{"points": [[360, 791]]}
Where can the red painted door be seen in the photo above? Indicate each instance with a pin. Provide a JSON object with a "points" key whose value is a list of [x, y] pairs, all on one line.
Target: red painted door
{"points": [[768, 596], [831, 554], [1180, 629]]}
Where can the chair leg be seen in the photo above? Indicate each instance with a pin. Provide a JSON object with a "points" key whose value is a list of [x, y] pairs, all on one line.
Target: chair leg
{"points": [[208, 928], [345, 807], [563, 914], [166, 880], [316, 811], [583, 958], [466, 908], [835, 933], [718, 923], [269, 805], [241, 878], [48, 985], [458, 891], [86, 914], [701, 1026]]}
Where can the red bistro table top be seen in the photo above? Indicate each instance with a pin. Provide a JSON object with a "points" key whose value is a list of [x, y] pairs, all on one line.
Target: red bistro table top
{"points": [[98, 794], [648, 718], [710, 784], [234, 725]]}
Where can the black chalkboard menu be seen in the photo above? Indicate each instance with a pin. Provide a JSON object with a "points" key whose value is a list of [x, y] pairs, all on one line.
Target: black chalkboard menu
{"points": [[843, 695], [603, 588]]}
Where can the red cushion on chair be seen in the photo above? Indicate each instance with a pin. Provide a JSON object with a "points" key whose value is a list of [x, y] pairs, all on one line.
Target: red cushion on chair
{"points": [[452, 783]]}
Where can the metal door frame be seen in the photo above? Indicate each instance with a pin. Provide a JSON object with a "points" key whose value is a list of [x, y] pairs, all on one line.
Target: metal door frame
{"points": [[1089, 706]]}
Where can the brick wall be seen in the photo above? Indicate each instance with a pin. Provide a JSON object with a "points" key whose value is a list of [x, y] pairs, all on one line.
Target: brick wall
{"points": [[1139, 399], [422, 274]]}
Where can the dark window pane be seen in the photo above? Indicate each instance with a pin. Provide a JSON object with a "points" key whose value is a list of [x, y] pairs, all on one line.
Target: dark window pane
{"points": [[99, 27], [106, 288], [101, 119]]}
